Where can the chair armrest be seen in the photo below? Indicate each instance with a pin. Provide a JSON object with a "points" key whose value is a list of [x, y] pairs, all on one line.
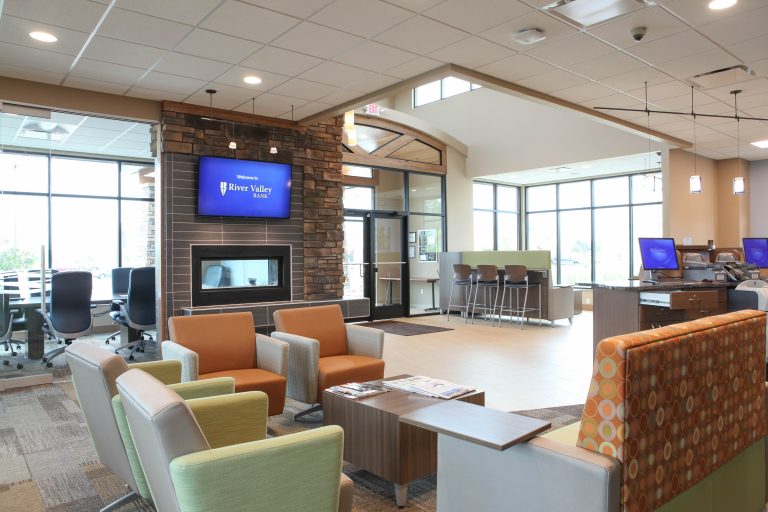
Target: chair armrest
{"points": [[294, 472], [232, 419], [204, 388], [272, 355], [365, 341], [303, 363], [167, 372], [188, 358]]}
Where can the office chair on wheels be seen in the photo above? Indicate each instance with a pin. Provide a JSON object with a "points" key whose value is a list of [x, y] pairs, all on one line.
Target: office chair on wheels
{"points": [[139, 310], [69, 314], [6, 331], [120, 279]]}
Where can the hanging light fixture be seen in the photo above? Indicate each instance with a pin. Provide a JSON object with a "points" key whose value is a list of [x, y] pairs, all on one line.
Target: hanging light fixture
{"points": [[210, 93], [695, 181], [233, 142], [349, 127], [739, 184]]}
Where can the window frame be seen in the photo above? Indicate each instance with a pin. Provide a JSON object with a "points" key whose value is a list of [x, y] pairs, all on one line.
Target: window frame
{"points": [[496, 211], [472, 87]]}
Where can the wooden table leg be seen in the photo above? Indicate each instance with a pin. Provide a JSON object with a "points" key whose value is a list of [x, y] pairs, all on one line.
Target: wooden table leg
{"points": [[401, 494]]}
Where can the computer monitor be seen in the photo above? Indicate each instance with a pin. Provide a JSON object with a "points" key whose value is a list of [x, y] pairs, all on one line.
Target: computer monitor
{"points": [[756, 251], [658, 254]]}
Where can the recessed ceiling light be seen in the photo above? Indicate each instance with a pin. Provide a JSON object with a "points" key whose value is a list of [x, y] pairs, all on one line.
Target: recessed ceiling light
{"points": [[717, 5], [252, 79], [762, 144], [44, 37]]}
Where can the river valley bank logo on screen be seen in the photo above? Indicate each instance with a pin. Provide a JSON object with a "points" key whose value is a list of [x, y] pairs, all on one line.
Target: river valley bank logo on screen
{"points": [[258, 191]]}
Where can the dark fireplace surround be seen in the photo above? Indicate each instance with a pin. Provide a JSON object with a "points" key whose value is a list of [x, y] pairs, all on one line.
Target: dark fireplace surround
{"points": [[277, 289]]}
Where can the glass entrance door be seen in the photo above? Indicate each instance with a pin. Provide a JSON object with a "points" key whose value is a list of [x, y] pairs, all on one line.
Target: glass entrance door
{"points": [[357, 259], [389, 275]]}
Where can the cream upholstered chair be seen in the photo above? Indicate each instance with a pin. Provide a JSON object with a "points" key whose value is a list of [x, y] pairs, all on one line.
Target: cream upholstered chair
{"points": [[94, 371], [326, 352], [210, 453]]}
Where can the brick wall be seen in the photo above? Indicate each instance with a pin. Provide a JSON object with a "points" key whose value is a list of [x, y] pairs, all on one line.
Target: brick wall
{"points": [[315, 228]]}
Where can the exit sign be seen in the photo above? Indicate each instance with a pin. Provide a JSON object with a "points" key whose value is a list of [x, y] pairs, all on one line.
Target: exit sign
{"points": [[373, 109]]}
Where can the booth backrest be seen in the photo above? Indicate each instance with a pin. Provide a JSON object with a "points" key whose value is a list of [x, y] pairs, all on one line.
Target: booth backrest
{"points": [[322, 323], [674, 404], [223, 341]]}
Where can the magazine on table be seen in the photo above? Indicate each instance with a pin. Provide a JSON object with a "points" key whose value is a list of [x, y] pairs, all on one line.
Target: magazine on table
{"points": [[355, 390], [437, 388]]}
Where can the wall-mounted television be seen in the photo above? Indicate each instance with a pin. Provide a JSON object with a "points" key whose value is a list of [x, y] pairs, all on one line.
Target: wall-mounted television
{"points": [[243, 188]]}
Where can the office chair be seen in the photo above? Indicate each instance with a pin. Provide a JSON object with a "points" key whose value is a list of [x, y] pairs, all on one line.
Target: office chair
{"points": [[69, 313], [216, 276], [6, 330], [120, 278], [139, 310]]}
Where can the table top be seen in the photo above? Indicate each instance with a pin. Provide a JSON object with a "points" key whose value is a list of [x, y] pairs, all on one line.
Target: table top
{"points": [[480, 425], [666, 284]]}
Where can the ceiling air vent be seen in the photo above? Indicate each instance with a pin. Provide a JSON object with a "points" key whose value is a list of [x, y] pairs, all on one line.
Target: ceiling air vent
{"points": [[723, 77], [586, 13]]}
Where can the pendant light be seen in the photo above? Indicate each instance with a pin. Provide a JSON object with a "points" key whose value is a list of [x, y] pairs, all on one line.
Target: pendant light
{"points": [[233, 142], [695, 180], [210, 93], [739, 184]]}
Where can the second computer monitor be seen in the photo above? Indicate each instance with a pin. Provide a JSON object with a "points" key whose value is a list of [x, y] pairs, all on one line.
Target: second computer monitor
{"points": [[658, 253], [756, 251]]}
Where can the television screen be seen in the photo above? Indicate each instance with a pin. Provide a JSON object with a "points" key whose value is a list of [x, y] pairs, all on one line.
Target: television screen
{"points": [[756, 251], [243, 188], [658, 253]]}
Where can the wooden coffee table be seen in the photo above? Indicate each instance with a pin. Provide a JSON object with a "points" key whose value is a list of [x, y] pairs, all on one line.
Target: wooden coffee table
{"points": [[375, 440]]}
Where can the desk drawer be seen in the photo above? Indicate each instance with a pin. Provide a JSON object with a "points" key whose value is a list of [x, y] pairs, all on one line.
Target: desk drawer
{"points": [[694, 313], [706, 299], [656, 314]]}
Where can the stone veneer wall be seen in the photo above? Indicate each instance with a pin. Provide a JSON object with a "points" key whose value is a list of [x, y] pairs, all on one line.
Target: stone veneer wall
{"points": [[314, 230]]}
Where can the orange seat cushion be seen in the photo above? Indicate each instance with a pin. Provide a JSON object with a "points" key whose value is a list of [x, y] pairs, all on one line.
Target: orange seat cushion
{"points": [[254, 379], [337, 370], [322, 323], [223, 341]]}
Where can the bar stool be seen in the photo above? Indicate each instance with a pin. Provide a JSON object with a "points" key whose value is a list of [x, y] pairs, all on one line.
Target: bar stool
{"points": [[516, 278], [488, 281], [462, 276]]}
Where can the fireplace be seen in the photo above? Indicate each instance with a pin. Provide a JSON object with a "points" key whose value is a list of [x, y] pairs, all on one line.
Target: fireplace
{"points": [[238, 274]]}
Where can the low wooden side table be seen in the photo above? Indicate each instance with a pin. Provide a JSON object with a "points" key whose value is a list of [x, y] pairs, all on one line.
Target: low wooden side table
{"points": [[376, 440]]}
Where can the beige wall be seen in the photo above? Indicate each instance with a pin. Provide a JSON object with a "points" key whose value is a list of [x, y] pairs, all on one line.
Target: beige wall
{"points": [[459, 203], [732, 210]]}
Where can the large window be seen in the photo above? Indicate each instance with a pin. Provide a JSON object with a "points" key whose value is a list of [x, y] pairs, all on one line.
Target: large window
{"points": [[591, 226], [90, 214], [496, 217], [441, 89]]}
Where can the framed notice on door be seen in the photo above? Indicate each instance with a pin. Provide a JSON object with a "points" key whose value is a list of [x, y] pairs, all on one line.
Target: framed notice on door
{"points": [[427, 244]]}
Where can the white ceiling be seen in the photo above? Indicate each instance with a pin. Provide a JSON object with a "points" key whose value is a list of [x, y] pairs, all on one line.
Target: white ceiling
{"points": [[316, 54]]}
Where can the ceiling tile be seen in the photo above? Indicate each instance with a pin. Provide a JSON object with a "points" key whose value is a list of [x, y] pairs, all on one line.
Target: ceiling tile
{"points": [[552, 27], [23, 56], [634, 79], [192, 67], [303, 89], [339, 75], [171, 83], [374, 83], [672, 47], [416, 5], [273, 105], [138, 28], [570, 49], [248, 21], [606, 65], [552, 81], [234, 77], [659, 23], [212, 45], [660, 91], [16, 30], [302, 9], [472, 52], [96, 70], [421, 35], [81, 15], [757, 87], [154, 94], [583, 93], [477, 15], [616, 100], [307, 110], [365, 18], [694, 13], [374, 56], [227, 96], [316, 40], [413, 67], [740, 27], [760, 66], [340, 96], [751, 49], [691, 65], [281, 61], [190, 12], [516, 67], [122, 52], [36, 75]]}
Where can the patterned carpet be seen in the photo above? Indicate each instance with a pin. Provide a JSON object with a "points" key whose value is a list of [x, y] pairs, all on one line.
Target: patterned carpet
{"points": [[47, 462]]}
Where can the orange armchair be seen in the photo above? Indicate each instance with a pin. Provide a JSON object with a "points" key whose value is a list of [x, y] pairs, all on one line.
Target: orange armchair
{"points": [[326, 352], [226, 345]]}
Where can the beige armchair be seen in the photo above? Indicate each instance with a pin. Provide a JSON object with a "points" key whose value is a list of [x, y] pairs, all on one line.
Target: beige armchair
{"points": [[191, 468], [326, 352]]}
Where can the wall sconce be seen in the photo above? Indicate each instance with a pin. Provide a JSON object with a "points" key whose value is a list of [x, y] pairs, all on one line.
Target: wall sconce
{"points": [[739, 186], [695, 184]]}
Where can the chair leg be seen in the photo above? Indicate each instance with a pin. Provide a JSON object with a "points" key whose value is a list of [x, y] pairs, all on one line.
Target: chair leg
{"points": [[53, 354], [112, 337], [524, 313], [450, 300], [119, 502], [314, 408]]}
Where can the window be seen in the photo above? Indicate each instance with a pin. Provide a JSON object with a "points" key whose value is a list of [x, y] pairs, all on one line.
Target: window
{"points": [[591, 226], [441, 89], [496, 217]]}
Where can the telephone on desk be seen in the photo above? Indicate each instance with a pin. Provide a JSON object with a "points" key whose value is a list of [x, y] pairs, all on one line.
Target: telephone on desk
{"points": [[739, 271]]}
